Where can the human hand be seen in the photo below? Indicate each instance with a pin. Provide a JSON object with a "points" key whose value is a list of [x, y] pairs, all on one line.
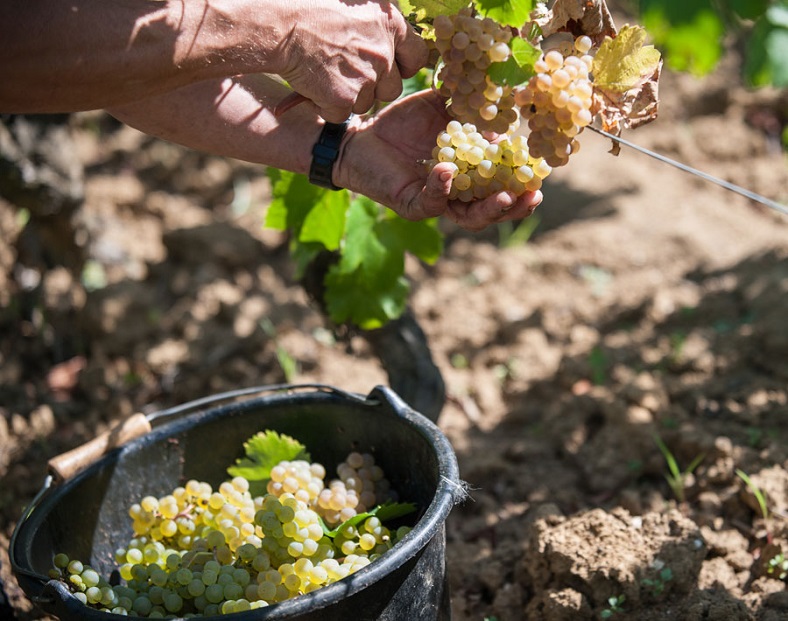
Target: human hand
{"points": [[343, 55], [380, 159]]}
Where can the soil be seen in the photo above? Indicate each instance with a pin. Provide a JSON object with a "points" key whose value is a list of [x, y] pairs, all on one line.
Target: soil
{"points": [[646, 303]]}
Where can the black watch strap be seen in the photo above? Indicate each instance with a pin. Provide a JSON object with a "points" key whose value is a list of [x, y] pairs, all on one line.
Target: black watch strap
{"points": [[325, 153]]}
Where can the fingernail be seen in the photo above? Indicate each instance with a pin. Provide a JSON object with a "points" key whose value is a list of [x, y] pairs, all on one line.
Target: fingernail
{"points": [[445, 176], [507, 201]]}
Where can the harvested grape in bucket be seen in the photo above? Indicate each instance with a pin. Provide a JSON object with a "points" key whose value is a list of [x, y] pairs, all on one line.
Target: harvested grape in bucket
{"points": [[276, 529]]}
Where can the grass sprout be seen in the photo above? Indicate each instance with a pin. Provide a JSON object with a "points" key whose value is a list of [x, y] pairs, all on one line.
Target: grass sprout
{"points": [[760, 497], [676, 477]]}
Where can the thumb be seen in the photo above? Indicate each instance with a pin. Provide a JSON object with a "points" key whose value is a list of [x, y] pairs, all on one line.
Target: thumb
{"points": [[434, 197]]}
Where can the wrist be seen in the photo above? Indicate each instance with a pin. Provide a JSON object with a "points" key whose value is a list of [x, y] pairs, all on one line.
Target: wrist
{"points": [[326, 153], [342, 173]]}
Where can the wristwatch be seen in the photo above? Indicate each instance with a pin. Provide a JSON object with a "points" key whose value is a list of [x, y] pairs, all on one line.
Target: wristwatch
{"points": [[325, 153]]}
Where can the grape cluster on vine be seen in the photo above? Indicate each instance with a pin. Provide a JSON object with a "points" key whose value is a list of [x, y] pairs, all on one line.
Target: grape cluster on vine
{"points": [[468, 46], [488, 149], [557, 102]]}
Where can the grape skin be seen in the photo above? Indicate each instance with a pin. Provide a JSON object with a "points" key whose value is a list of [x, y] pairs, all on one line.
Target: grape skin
{"points": [[468, 46], [232, 552], [483, 168], [557, 102]]}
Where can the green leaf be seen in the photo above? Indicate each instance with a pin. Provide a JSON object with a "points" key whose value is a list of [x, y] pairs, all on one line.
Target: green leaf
{"points": [[263, 451], [325, 222], [362, 245], [431, 8], [689, 32], [314, 214], [749, 9], [778, 14], [624, 62], [367, 286], [506, 12], [519, 67], [349, 298], [422, 238], [384, 512], [303, 255], [292, 196], [766, 61]]}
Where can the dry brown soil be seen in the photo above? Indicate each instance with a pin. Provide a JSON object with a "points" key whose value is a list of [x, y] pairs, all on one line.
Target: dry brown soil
{"points": [[645, 303]]}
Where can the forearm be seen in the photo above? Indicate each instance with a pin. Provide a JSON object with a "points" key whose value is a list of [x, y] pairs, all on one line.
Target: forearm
{"points": [[68, 55], [233, 118]]}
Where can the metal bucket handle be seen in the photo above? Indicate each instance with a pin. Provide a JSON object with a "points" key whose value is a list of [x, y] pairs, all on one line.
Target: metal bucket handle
{"points": [[68, 464]]}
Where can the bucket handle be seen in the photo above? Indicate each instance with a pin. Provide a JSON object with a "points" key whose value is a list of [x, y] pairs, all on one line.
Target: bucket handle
{"points": [[66, 465]]}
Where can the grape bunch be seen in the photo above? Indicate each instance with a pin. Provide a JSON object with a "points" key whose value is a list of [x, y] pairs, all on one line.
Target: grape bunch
{"points": [[468, 46], [481, 168], [489, 150], [361, 484], [557, 101], [200, 552]]}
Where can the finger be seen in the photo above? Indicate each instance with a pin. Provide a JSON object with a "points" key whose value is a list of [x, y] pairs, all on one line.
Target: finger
{"points": [[365, 99], [431, 200], [497, 208], [389, 86], [411, 51], [522, 208], [334, 114]]}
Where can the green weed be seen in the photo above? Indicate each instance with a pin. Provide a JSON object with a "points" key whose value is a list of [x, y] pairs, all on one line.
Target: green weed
{"points": [[287, 362], [778, 566], [657, 585], [676, 477], [597, 360], [761, 498], [510, 236], [615, 605]]}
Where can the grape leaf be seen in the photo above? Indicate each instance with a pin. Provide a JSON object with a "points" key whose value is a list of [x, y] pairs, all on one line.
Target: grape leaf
{"points": [[513, 13], [749, 9], [384, 512], [520, 65], [422, 238], [624, 62], [767, 49], [426, 9], [325, 222], [350, 298], [367, 286], [314, 214], [263, 451], [690, 32], [626, 81], [363, 247], [292, 198]]}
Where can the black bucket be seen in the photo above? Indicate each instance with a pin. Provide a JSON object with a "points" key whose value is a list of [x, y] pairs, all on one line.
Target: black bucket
{"points": [[85, 516]]}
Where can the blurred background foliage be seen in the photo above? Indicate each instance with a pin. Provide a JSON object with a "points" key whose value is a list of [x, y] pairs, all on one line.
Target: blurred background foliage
{"points": [[692, 35]]}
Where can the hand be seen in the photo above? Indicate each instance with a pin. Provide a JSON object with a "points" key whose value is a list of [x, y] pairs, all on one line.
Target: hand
{"points": [[380, 159], [343, 55]]}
